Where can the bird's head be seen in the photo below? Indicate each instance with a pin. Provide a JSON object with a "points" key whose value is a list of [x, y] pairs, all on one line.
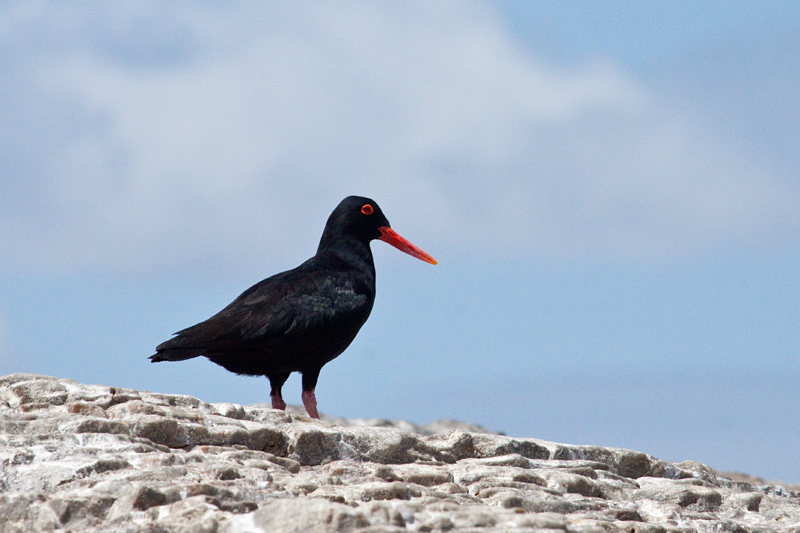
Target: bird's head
{"points": [[363, 219]]}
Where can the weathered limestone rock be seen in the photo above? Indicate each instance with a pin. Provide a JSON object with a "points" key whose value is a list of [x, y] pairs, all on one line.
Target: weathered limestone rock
{"points": [[79, 457]]}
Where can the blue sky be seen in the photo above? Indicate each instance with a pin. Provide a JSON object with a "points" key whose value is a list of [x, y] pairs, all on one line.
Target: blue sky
{"points": [[610, 190]]}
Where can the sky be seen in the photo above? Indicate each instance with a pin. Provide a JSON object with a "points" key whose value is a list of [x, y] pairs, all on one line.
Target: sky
{"points": [[610, 190]]}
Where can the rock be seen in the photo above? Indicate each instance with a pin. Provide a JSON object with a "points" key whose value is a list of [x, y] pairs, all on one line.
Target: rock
{"points": [[80, 457], [304, 516]]}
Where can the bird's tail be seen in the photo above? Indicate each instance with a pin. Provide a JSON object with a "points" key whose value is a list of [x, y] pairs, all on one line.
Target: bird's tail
{"points": [[178, 354], [172, 350]]}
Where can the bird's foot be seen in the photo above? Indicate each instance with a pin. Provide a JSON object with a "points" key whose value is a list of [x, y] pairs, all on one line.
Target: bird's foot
{"points": [[278, 403], [310, 402]]}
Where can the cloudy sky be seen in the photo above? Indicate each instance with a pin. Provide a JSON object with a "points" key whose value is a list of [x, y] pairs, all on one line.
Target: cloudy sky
{"points": [[610, 190]]}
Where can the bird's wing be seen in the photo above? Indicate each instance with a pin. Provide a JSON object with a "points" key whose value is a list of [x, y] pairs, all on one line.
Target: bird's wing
{"points": [[314, 304], [292, 303]]}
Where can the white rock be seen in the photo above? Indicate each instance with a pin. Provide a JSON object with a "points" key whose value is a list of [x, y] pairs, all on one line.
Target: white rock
{"points": [[96, 458]]}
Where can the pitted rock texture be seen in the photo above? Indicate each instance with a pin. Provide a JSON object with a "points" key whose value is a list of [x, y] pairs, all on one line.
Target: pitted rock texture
{"points": [[95, 458]]}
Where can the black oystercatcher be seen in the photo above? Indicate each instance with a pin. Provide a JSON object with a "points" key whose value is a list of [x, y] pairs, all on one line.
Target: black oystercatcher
{"points": [[298, 320]]}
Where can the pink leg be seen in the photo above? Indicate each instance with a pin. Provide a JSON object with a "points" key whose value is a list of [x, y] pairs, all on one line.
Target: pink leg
{"points": [[310, 401], [277, 402]]}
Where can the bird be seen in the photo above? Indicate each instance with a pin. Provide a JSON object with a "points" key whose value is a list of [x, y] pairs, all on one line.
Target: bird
{"points": [[301, 319]]}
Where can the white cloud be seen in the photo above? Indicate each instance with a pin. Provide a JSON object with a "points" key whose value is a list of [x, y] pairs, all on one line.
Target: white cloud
{"points": [[188, 135]]}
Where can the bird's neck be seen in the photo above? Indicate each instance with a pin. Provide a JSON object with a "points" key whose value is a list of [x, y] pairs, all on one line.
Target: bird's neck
{"points": [[350, 251]]}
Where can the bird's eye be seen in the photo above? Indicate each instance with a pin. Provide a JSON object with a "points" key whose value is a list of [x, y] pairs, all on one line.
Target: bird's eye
{"points": [[367, 209]]}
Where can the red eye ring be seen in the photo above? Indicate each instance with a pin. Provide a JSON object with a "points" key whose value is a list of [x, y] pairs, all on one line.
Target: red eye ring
{"points": [[367, 209]]}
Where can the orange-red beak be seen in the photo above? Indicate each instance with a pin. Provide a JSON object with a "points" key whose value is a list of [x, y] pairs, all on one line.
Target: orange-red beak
{"points": [[389, 235]]}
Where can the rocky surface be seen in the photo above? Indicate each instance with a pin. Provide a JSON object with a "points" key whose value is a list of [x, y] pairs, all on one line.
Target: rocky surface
{"points": [[96, 458]]}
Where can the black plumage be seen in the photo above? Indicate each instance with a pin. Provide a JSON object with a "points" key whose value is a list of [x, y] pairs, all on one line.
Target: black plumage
{"points": [[298, 320]]}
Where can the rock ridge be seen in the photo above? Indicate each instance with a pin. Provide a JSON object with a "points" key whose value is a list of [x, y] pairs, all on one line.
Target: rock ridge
{"points": [[78, 457]]}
